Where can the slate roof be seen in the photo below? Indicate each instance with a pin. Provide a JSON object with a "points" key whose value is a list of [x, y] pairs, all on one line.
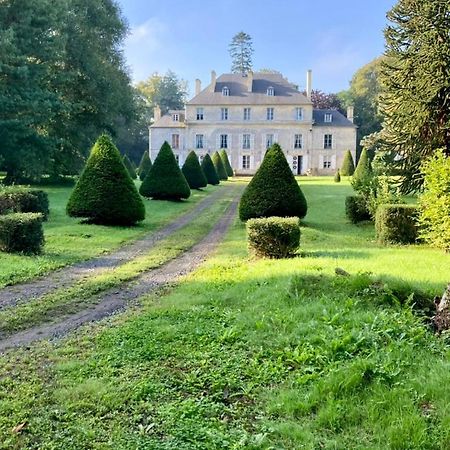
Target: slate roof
{"points": [[285, 93], [338, 119]]}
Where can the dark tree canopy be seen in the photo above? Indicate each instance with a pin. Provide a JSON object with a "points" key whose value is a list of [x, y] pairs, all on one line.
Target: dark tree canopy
{"points": [[209, 170], [193, 172], [241, 51], [144, 166], [321, 100]]}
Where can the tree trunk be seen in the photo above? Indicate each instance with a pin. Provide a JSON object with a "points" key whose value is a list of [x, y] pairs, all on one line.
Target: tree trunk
{"points": [[442, 318]]}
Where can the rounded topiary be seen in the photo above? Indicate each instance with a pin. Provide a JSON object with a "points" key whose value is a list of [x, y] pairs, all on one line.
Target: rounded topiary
{"points": [[273, 191], [129, 166], [193, 172], [209, 170], [165, 181], [105, 192], [348, 165], [144, 166], [337, 177], [226, 162], [220, 168]]}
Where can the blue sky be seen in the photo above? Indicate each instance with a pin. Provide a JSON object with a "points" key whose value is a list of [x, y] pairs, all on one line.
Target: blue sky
{"points": [[191, 37]]}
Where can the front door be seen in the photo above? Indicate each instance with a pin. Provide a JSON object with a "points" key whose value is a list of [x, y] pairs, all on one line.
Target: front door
{"points": [[298, 164]]}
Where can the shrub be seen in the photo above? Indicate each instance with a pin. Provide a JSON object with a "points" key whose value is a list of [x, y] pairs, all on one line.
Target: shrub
{"points": [[363, 173], [348, 165], [218, 165], [396, 224], [209, 170], [21, 232], [273, 191], [226, 162], [14, 200], [381, 193], [105, 192], [434, 202], [129, 166], [356, 209], [144, 166], [274, 237], [165, 181], [337, 177], [193, 172]]}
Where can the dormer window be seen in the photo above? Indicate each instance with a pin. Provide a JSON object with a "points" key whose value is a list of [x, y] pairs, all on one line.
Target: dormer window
{"points": [[328, 118], [270, 91], [225, 91], [176, 117]]}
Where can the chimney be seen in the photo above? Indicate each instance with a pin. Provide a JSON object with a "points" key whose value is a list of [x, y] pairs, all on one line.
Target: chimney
{"points": [[309, 83], [156, 113], [250, 81], [198, 86], [350, 113], [213, 81]]}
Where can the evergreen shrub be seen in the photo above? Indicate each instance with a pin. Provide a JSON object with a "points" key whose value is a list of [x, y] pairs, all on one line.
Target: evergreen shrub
{"points": [[193, 172], [21, 232], [144, 166], [130, 167], [337, 177], [363, 172], [218, 165], [356, 209], [396, 224], [348, 165], [209, 170], [16, 199], [226, 162]]}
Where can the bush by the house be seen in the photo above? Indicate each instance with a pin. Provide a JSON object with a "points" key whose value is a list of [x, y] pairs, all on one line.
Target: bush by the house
{"points": [[356, 209], [220, 168], [144, 166], [226, 162], [165, 181], [273, 191], [14, 199], [193, 172], [363, 172], [396, 224], [273, 237], [348, 165], [434, 202], [129, 166], [21, 232], [105, 192], [209, 170], [337, 177]]}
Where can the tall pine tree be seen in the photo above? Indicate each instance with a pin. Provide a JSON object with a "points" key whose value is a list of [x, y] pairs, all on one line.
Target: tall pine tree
{"points": [[241, 51]]}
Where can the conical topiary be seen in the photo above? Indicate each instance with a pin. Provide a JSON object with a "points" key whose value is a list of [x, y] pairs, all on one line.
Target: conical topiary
{"points": [[144, 166], [226, 163], [348, 165], [218, 165], [209, 170], [337, 177], [363, 169], [193, 172], [129, 166], [165, 181], [105, 192], [273, 190]]}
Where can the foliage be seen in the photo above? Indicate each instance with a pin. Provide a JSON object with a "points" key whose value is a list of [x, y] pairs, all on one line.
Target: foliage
{"points": [[145, 165], [165, 181], [416, 79], [226, 162], [17, 199], [348, 165], [356, 209], [219, 166], [396, 224], [105, 192], [434, 202], [337, 176], [273, 237], [241, 51], [21, 232], [129, 166], [209, 170], [273, 190], [363, 176], [193, 172], [322, 100], [381, 192]]}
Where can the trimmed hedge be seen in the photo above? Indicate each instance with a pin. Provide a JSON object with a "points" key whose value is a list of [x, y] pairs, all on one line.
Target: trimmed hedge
{"points": [[144, 166], [130, 167], [165, 181], [363, 169], [274, 237], [220, 168], [226, 162], [348, 165], [21, 232], [105, 192], [396, 224], [273, 190], [337, 177], [209, 170], [193, 172], [356, 209], [15, 200]]}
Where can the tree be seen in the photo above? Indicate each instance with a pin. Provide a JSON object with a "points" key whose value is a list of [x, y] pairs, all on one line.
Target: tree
{"points": [[218, 165], [193, 172], [165, 181], [337, 176], [144, 166], [348, 165], [105, 192], [241, 51], [273, 190], [362, 178], [209, 170], [321, 100], [416, 78], [226, 162], [129, 166]]}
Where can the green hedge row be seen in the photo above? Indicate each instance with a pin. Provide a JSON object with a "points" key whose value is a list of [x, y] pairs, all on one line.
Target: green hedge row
{"points": [[16, 200], [21, 232], [396, 224], [356, 209]]}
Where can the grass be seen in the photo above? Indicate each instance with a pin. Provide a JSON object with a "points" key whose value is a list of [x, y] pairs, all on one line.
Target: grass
{"points": [[253, 354]]}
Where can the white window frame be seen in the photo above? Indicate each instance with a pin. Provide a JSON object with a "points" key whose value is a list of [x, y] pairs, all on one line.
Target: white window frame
{"points": [[328, 118], [298, 141], [224, 113], [200, 113], [298, 113], [327, 141], [269, 113], [175, 145], [270, 91], [246, 141], [246, 162], [247, 113], [270, 139], [176, 117], [224, 140], [326, 162], [199, 141], [226, 91], [177, 158]]}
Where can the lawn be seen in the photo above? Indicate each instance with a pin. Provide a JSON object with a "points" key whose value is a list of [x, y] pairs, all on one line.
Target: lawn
{"points": [[253, 354]]}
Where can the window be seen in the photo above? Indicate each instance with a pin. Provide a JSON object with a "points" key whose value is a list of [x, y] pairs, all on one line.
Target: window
{"points": [[175, 141], [298, 141], [246, 162], [225, 91], [245, 141], [327, 162], [328, 141], [269, 113], [199, 141], [200, 114], [270, 91], [298, 113], [269, 140], [328, 117], [177, 159], [175, 117], [224, 141], [246, 113], [224, 113]]}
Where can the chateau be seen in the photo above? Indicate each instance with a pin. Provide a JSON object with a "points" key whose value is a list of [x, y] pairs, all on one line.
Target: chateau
{"points": [[246, 114]]}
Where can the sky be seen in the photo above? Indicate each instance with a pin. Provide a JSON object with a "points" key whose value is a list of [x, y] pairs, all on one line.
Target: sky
{"points": [[191, 37]]}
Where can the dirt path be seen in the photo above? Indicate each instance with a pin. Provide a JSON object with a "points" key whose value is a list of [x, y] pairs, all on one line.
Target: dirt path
{"points": [[117, 300], [12, 295]]}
